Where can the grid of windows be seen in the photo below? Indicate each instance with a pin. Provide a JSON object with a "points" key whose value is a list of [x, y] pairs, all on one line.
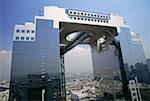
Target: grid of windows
{"points": [[24, 38], [89, 19], [23, 31], [103, 16]]}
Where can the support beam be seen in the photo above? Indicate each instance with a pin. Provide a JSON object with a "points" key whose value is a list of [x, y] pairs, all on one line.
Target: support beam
{"points": [[77, 40]]}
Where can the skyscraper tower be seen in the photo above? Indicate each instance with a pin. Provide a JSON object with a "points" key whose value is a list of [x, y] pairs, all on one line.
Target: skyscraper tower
{"points": [[35, 63]]}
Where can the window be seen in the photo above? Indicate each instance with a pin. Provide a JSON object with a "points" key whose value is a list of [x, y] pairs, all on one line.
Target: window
{"points": [[32, 38], [134, 94], [88, 19], [98, 20], [78, 13], [88, 14], [84, 13], [92, 20], [28, 31], [17, 38], [70, 12], [85, 19], [32, 31], [78, 18], [97, 15], [74, 12], [132, 83], [23, 31], [81, 13], [91, 14], [81, 18], [17, 31], [27, 38], [74, 17], [133, 89], [135, 99], [22, 38], [95, 20]]}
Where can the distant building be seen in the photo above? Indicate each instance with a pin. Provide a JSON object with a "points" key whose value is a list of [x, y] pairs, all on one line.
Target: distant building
{"points": [[148, 64], [142, 73], [133, 56], [139, 59], [137, 49]]}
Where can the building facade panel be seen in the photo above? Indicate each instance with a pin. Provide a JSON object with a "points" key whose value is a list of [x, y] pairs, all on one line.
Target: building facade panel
{"points": [[36, 65]]}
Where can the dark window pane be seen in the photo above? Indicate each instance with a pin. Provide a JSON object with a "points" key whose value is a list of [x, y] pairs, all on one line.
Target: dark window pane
{"points": [[27, 38], [32, 38], [22, 38], [17, 38], [17, 30], [32, 31], [28, 31], [23, 31]]}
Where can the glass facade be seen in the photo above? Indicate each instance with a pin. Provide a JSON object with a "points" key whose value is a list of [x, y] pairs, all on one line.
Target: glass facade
{"points": [[35, 71], [113, 70], [133, 56], [38, 67], [135, 64], [107, 73]]}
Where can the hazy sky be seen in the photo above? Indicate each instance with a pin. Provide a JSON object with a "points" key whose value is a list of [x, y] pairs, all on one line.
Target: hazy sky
{"points": [[135, 12]]}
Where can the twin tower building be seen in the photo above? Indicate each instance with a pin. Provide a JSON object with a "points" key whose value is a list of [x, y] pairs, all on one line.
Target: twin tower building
{"points": [[37, 70]]}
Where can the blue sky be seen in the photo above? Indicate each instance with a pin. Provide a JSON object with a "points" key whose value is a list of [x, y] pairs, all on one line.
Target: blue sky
{"points": [[135, 12]]}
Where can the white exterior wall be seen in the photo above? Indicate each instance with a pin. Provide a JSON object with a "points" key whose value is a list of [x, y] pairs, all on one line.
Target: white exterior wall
{"points": [[132, 85], [135, 91], [25, 27], [62, 15]]}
